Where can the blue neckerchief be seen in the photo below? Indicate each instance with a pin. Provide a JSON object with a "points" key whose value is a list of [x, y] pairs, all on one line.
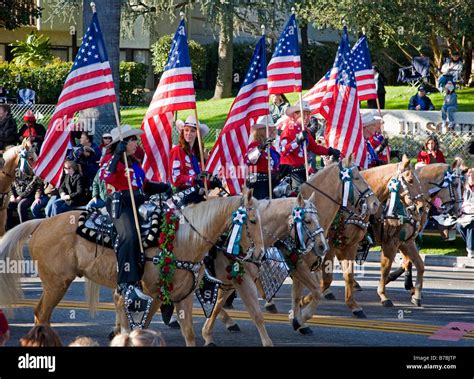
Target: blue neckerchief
{"points": [[275, 158], [373, 157], [138, 174]]}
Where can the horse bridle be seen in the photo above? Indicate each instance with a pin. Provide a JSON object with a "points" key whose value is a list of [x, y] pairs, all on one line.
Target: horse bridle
{"points": [[448, 181], [195, 267]]}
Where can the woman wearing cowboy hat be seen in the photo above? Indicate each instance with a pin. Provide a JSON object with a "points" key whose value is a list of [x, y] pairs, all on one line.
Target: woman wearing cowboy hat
{"points": [[185, 158], [377, 145], [291, 144], [257, 158], [119, 206]]}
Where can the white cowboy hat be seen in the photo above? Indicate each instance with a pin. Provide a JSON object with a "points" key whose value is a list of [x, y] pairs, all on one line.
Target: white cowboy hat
{"points": [[191, 121], [296, 108], [369, 118], [126, 131], [262, 122]]}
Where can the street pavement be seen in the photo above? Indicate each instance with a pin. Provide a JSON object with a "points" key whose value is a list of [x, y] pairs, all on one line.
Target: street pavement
{"points": [[448, 296]]}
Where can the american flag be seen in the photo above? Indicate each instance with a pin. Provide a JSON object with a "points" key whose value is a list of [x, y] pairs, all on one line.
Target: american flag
{"points": [[364, 73], [315, 95], [284, 69], [89, 84], [344, 126], [251, 101], [175, 92]]}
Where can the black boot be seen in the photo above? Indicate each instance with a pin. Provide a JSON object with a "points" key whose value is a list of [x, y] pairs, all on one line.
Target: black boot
{"points": [[394, 275], [167, 311], [408, 279]]}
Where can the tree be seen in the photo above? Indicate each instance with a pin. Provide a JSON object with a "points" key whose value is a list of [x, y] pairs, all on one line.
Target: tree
{"points": [[35, 51], [16, 13], [416, 27]]}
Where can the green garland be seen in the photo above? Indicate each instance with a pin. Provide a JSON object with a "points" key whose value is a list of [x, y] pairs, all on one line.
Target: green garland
{"points": [[235, 270], [292, 258], [167, 260], [338, 230]]}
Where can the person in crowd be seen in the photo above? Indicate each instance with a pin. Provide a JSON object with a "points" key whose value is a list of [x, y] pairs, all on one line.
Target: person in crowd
{"points": [[450, 105], [380, 86], [41, 336], [4, 329], [378, 148], [23, 190], [72, 192], [87, 154], [27, 95], [257, 158], [119, 206], [44, 198], [451, 70], [292, 141], [32, 130], [105, 141], [431, 152], [82, 341], [8, 128], [421, 102], [278, 107], [465, 223], [139, 338], [99, 193]]}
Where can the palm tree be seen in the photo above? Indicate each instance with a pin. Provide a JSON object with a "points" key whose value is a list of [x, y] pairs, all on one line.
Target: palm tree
{"points": [[108, 12], [35, 51]]}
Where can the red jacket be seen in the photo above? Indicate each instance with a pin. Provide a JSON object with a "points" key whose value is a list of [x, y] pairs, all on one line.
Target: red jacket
{"points": [[118, 181], [375, 141], [427, 158], [292, 154], [261, 165], [183, 168]]}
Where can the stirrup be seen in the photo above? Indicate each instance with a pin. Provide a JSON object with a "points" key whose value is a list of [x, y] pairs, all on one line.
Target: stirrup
{"points": [[210, 278]]}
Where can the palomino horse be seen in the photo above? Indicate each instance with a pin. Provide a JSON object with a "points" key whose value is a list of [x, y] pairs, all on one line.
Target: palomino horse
{"points": [[441, 181], [62, 255], [327, 187], [354, 233], [7, 175], [278, 220]]}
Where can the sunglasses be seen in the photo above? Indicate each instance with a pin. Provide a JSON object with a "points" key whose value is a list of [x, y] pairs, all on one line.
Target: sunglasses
{"points": [[68, 168]]}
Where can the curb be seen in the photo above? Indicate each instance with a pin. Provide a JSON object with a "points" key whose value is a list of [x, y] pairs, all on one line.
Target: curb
{"points": [[430, 260]]}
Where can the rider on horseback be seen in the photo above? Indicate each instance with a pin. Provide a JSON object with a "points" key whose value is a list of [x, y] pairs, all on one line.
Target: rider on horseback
{"points": [[119, 205]]}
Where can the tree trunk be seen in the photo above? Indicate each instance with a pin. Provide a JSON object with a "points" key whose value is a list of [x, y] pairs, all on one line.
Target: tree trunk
{"points": [[304, 37], [108, 12], [225, 53], [437, 53]]}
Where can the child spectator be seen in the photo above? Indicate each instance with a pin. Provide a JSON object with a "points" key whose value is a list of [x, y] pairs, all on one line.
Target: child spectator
{"points": [[82, 341], [138, 338], [450, 105], [41, 336]]}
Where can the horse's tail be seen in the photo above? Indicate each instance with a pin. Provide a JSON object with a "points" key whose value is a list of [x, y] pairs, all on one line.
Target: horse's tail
{"points": [[11, 253], [92, 296]]}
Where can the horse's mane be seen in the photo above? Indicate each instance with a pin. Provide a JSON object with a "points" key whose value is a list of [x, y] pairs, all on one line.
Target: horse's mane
{"points": [[205, 215], [11, 152]]}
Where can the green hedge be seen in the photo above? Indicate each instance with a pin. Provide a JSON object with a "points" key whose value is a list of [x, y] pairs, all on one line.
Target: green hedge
{"points": [[48, 80]]}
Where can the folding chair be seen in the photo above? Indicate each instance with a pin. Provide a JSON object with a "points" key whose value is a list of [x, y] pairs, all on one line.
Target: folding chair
{"points": [[415, 74]]}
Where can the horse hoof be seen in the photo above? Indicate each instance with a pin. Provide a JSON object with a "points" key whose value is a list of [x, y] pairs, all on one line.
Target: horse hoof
{"points": [[387, 303], [306, 331], [296, 324], [357, 287], [330, 296], [359, 314], [211, 344], [233, 328], [111, 335], [174, 324], [271, 308], [416, 302]]}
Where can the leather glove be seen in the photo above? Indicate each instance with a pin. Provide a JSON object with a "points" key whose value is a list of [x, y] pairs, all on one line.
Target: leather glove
{"points": [[301, 137], [157, 187], [215, 182], [266, 143], [119, 150], [334, 153]]}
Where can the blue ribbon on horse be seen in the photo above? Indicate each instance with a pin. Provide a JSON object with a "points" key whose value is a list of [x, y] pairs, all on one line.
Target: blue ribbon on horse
{"points": [[448, 178], [348, 188], [298, 217], [239, 218], [394, 203]]}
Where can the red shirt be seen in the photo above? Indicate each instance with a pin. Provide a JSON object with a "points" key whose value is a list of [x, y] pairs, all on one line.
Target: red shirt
{"points": [[118, 181], [375, 141], [261, 165], [428, 158], [183, 168], [291, 153]]}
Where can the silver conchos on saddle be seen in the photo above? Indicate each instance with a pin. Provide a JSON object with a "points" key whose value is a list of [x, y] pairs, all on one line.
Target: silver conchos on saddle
{"points": [[137, 306], [273, 272]]}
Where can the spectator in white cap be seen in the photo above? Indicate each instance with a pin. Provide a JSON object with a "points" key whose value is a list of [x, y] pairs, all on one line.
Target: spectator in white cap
{"points": [[257, 157], [292, 140]]}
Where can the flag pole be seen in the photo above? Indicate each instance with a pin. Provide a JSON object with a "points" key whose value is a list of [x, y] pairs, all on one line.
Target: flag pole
{"points": [[198, 130], [303, 125], [127, 169], [377, 97], [268, 146]]}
